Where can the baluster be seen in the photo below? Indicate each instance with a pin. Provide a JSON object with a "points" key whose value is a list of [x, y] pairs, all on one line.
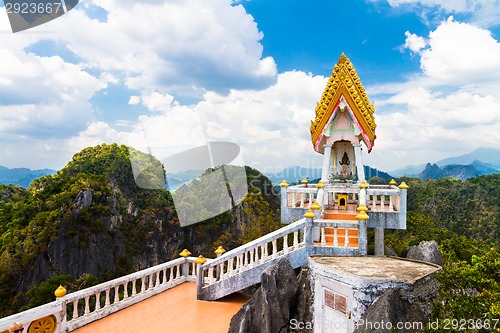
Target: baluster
{"points": [[230, 266], [221, 277], [210, 279], [117, 295], [382, 202], [391, 203], [75, 309], [335, 238], [164, 276], [302, 200], [374, 202], [238, 263], [346, 240], [134, 287], [150, 281], [323, 236], [98, 301], [87, 306], [275, 249], [143, 284], [193, 269], [125, 290], [295, 239], [177, 272], [285, 244], [108, 301], [171, 277], [310, 199], [157, 282], [253, 257], [265, 254]]}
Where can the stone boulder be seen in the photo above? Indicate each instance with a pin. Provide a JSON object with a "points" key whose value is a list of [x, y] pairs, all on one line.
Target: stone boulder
{"points": [[281, 297], [427, 251], [409, 308]]}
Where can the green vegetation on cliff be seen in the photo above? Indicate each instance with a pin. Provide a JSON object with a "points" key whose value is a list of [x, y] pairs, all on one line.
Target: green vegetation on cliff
{"points": [[91, 221], [464, 219]]}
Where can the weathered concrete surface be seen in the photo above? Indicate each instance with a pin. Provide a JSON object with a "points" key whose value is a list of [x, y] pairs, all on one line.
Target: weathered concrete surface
{"points": [[379, 268], [365, 279], [281, 297], [427, 251]]}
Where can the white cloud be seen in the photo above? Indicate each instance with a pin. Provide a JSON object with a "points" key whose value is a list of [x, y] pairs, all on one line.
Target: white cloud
{"points": [[480, 12], [184, 47], [450, 108], [43, 96], [134, 100], [461, 53], [270, 125], [96, 133], [414, 43], [156, 101]]}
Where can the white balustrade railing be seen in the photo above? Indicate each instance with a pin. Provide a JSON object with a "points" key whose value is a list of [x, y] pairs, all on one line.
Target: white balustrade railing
{"points": [[383, 198], [338, 233], [85, 306], [300, 196], [271, 246]]}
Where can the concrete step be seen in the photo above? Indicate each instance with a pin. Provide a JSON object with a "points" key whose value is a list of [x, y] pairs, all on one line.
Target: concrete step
{"points": [[340, 215]]}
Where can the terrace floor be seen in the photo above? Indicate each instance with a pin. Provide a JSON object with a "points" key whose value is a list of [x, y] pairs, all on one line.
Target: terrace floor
{"points": [[174, 310]]}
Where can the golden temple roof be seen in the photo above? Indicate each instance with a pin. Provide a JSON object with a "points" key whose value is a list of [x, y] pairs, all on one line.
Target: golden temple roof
{"points": [[344, 82]]}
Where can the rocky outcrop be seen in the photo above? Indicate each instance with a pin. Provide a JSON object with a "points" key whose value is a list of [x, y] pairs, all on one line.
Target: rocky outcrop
{"points": [[410, 309], [83, 200], [427, 251], [281, 298]]}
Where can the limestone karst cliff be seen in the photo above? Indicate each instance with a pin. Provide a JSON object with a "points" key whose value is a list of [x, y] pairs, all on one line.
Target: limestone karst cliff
{"points": [[91, 218]]}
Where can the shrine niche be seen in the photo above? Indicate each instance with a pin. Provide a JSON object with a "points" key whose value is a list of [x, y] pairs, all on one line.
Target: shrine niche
{"points": [[344, 160]]}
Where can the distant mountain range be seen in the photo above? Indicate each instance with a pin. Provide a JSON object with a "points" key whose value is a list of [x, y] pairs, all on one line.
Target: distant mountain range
{"points": [[295, 174], [21, 176], [174, 180], [482, 161]]}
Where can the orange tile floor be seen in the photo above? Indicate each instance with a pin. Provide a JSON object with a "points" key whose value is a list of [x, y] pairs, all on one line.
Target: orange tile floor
{"points": [[173, 311]]}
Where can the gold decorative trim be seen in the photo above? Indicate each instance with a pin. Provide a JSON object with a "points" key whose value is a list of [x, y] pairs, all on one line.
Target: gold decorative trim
{"points": [[43, 325], [344, 81]]}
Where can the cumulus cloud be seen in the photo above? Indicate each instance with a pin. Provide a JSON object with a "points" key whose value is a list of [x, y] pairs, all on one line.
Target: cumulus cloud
{"points": [[157, 49], [269, 125], [414, 43], [43, 95], [461, 53], [480, 12], [452, 106], [185, 47]]}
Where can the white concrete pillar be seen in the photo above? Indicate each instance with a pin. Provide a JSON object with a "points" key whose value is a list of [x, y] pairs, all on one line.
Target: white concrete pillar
{"points": [[326, 162], [379, 242], [359, 162]]}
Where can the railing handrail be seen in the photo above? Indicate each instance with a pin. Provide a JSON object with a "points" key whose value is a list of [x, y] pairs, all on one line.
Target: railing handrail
{"points": [[123, 279], [335, 223], [378, 191], [57, 307], [298, 225], [30, 314], [299, 189]]}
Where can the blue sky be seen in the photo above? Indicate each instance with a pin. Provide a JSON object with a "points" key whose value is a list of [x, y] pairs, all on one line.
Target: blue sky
{"points": [[172, 74]]}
